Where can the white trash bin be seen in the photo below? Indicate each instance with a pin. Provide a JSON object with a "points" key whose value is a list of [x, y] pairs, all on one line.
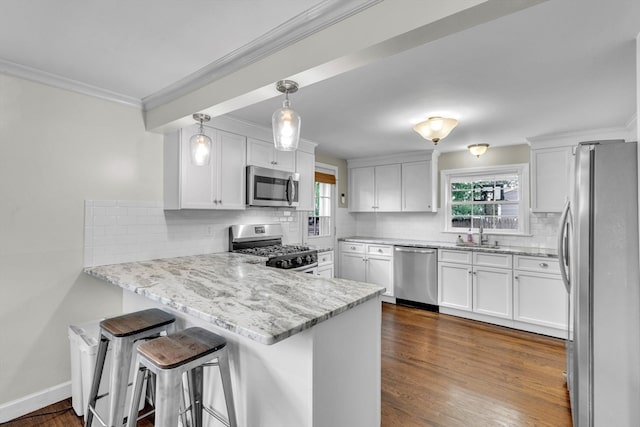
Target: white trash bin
{"points": [[83, 341]]}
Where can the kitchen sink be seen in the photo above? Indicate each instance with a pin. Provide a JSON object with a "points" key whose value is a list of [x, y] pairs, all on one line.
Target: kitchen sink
{"points": [[475, 245]]}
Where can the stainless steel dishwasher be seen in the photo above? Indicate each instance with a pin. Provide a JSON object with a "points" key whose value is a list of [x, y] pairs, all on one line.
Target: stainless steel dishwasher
{"points": [[415, 277]]}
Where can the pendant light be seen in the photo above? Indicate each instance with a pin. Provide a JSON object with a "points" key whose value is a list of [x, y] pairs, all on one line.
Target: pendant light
{"points": [[285, 121], [435, 128], [478, 149], [200, 143]]}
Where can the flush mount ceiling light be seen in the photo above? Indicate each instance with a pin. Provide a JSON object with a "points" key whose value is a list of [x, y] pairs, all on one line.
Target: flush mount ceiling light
{"points": [[435, 128], [478, 149], [200, 143], [285, 121]]}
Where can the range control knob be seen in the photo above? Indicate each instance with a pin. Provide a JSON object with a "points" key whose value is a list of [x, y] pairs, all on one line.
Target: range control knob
{"points": [[308, 259], [298, 261], [284, 263]]}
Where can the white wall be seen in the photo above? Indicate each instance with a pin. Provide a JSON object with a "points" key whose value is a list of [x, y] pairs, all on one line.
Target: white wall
{"points": [[58, 148]]}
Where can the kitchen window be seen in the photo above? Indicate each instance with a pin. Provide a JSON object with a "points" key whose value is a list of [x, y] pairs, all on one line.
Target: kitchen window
{"points": [[496, 198], [320, 221]]}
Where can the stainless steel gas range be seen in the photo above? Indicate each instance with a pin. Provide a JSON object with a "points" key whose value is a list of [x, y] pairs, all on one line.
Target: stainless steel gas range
{"points": [[266, 240]]}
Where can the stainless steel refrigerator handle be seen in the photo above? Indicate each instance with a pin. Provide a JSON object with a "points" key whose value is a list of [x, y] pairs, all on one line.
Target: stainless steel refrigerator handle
{"points": [[417, 251], [562, 246]]}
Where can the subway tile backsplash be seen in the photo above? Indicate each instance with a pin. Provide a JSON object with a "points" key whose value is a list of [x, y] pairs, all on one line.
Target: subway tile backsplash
{"points": [[543, 228], [122, 231]]}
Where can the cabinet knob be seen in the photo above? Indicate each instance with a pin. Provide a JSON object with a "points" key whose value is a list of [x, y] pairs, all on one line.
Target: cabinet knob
{"points": [[544, 265], [516, 277], [470, 272], [380, 250], [353, 248]]}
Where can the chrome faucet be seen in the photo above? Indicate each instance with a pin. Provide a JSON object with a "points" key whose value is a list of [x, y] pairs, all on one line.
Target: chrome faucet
{"points": [[482, 239]]}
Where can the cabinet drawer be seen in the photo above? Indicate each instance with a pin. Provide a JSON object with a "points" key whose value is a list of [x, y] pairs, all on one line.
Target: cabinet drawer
{"points": [[352, 247], [490, 259], [380, 250], [448, 255], [325, 258], [539, 264]]}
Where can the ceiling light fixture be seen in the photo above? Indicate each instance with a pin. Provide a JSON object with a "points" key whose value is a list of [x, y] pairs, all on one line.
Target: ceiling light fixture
{"points": [[435, 128], [285, 121], [478, 149], [200, 143]]}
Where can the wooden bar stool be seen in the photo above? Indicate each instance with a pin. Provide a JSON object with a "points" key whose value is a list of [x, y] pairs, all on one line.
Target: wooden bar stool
{"points": [[122, 332], [169, 357]]}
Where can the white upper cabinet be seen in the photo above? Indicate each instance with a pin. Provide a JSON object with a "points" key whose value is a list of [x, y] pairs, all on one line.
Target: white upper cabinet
{"points": [[263, 154], [375, 189], [388, 181], [419, 187], [551, 171], [398, 183], [305, 167], [218, 185], [362, 188]]}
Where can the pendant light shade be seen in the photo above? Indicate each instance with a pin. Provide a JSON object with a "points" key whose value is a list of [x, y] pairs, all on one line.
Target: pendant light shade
{"points": [[435, 128], [200, 143], [285, 121], [478, 149]]}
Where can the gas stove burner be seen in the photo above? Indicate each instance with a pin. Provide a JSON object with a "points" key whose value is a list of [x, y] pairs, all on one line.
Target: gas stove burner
{"points": [[265, 240], [273, 250]]}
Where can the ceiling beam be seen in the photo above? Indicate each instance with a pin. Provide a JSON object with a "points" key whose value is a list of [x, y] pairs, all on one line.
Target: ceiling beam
{"points": [[382, 30]]}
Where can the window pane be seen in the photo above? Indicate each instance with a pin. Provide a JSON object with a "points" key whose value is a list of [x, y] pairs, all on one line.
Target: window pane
{"points": [[491, 201], [462, 222]]}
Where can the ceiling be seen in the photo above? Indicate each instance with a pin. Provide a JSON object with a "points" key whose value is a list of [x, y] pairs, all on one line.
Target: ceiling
{"points": [[556, 67]]}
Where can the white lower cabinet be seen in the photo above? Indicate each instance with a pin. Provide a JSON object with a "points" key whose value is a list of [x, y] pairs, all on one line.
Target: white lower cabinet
{"points": [[522, 292], [455, 285], [493, 291], [539, 295], [325, 264], [370, 263], [467, 284]]}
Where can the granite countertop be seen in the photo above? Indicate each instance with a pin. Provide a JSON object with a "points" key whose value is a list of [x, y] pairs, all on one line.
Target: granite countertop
{"points": [[239, 293], [513, 250]]}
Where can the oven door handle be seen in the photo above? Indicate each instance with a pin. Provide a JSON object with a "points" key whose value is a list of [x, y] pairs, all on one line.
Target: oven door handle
{"points": [[304, 267], [291, 191]]}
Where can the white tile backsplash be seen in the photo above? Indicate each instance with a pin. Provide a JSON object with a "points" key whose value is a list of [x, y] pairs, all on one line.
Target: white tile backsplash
{"points": [[123, 230], [429, 226]]}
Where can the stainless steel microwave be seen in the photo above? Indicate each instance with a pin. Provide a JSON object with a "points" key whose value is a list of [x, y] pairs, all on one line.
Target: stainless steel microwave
{"points": [[270, 187]]}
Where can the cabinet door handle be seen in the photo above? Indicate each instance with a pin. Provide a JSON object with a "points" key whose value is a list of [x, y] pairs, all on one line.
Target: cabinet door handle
{"points": [[544, 265], [516, 277], [470, 272], [380, 250]]}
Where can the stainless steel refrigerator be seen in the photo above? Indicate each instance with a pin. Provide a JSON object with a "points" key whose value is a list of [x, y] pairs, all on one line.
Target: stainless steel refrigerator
{"points": [[598, 248]]}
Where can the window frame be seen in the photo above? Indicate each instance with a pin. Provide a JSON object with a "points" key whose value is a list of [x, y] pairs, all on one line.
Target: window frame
{"points": [[333, 170], [471, 174]]}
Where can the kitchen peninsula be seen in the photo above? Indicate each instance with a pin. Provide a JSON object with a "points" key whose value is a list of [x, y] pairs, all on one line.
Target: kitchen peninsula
{"points": [[304, 350]]}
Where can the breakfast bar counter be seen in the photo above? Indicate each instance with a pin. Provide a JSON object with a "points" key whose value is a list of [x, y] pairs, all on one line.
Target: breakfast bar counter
{"points": [[304, 350]]}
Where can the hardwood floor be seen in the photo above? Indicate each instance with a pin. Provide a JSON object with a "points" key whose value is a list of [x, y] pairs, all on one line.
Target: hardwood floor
{"points": [[440, 370]]}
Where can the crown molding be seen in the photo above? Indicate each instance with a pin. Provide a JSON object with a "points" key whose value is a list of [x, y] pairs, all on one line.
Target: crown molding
{"points": [[317, 18], [299, 27], [626, 132], [50, 79]]}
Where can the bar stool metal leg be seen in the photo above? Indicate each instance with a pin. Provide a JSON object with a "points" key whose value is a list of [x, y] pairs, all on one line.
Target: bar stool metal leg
{"points": [[225, 374], [97, 375], [195, 381]]}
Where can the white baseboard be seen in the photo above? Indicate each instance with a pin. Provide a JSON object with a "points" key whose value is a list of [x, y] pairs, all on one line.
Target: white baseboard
{"points": [[35, 401]]}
